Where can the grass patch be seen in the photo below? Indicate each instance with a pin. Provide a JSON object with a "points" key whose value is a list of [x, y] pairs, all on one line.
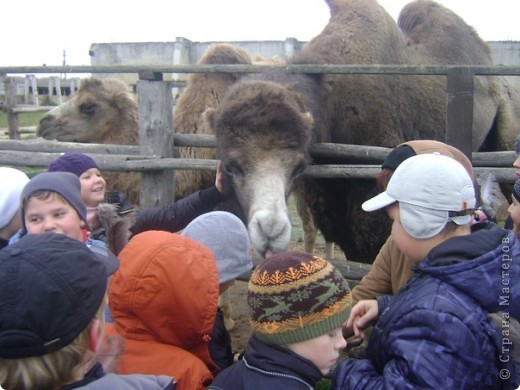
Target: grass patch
{"points": [[24, 118]]}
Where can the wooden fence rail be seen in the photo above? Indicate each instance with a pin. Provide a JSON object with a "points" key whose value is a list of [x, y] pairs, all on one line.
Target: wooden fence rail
{"points": [[154, 157], [122, 158]]}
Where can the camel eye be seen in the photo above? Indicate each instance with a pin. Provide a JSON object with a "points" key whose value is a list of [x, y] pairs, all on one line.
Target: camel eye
{"points": [[233, 170], [88, 108], [298, 170]]}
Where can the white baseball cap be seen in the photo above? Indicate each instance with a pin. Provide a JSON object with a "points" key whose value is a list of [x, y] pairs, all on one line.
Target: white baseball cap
{"points": [[12, 182], [428, 187]]}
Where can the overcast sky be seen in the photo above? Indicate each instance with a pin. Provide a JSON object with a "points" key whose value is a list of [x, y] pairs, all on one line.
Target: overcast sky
{"points": [[36, 32]]}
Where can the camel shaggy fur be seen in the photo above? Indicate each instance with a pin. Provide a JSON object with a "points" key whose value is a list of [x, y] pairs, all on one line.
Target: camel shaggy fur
{"points": [[203, 90], [266, 123]]}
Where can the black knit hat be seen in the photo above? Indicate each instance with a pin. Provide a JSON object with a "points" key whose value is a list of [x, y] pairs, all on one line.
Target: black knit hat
{"points": [[64, 183], [51, 287], [295, 296], [397, 156], [72, 162], [516, 190]]}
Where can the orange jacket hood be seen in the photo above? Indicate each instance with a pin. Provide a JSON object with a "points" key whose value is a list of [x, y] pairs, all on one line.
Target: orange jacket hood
{"points": [[166, 290]]}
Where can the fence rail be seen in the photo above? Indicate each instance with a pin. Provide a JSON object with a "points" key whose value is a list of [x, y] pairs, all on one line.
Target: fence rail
{"points": [[154, 158], [38, 153]]}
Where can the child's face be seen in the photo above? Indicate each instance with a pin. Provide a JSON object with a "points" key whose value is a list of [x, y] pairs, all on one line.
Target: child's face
{"points": [[93, 187], [53, 215], [323, 351], [411, 247], [514, 212]]}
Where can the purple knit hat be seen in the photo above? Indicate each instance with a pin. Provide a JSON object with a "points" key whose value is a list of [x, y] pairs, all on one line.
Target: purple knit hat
{"points": [[72, 162]]}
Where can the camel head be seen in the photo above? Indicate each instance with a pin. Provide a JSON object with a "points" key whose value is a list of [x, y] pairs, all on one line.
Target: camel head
{"points": [[262, 132], [102, 111]]}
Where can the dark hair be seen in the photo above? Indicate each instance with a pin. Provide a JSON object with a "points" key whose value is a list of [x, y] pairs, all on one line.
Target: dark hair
{"points": [[383, 177]]}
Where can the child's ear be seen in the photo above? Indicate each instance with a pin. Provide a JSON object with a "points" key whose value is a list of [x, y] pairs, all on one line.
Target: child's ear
{"points": [[94, 336]]}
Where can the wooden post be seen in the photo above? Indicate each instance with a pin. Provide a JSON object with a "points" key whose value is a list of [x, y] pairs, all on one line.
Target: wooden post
{"points": [[155, 139], [10, 104], [459, 109]]}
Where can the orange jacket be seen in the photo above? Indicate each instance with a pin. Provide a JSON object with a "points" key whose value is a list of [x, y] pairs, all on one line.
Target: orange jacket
{"points": [[163, 300]]}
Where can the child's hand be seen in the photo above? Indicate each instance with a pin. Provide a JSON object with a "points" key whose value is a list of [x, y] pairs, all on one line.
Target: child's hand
{"points": [[362, 316]]}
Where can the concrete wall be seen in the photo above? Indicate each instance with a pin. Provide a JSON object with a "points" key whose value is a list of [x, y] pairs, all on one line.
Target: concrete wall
{"points": [[505, 52], [181, 52]]}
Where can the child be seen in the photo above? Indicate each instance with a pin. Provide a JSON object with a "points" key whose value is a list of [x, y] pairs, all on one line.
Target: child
{"points": [[163, 302], [514, 208], [227, 238], [298, 304], [171, 217], [93, 192], [52, 295], [391, 269], [435, 332], [51, 202], [11, 188]]}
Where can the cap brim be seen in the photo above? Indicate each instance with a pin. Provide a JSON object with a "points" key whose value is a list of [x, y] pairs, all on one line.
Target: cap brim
{"points": [[378, 202], [106, 258]]}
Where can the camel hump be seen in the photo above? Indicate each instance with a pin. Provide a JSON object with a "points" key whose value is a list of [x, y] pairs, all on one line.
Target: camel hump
{"points": [[442, 33], [223, 53]]}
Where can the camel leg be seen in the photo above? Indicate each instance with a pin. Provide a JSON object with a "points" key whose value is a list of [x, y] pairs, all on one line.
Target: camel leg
{"points": [[309, 228], [329, 250], [224, 302]]}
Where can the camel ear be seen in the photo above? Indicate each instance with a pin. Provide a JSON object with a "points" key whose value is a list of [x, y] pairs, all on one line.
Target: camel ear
{"points": [[208, 117]]}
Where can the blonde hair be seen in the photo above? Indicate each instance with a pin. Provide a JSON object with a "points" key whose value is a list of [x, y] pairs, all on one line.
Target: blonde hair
{"points": [[51, 371]]}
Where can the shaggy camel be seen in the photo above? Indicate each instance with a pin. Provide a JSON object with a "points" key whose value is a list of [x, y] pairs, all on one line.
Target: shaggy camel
{"points": [[266, 123]]}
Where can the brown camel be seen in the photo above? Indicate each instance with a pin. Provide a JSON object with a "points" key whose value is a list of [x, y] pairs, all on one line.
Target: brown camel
{"points": [[266, 122]]}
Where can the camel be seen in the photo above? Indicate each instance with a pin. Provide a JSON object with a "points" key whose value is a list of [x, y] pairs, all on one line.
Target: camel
{"points": [[203, 90], [266, 123], [102, 111]]}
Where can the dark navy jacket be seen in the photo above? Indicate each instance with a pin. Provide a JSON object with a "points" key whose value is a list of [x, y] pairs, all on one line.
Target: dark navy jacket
{"points": [[268, 367], [177, 215], [435, 332], [220, 344]]}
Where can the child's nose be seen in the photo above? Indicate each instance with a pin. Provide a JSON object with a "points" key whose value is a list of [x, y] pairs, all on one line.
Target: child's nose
{"points": [[49, 224], [342, 343]]}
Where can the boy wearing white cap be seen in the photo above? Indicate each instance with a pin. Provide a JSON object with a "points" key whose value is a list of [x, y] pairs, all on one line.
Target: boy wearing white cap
{"points": [[435, 332]]}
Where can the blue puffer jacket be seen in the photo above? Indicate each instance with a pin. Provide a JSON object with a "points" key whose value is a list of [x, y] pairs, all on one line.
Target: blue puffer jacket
{"points": [[435, 332], [267, 367]]}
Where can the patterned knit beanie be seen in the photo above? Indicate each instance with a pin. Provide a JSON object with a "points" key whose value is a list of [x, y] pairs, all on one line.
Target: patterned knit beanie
{"points": [[516, 190], [72, 162], [294, 296]]}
